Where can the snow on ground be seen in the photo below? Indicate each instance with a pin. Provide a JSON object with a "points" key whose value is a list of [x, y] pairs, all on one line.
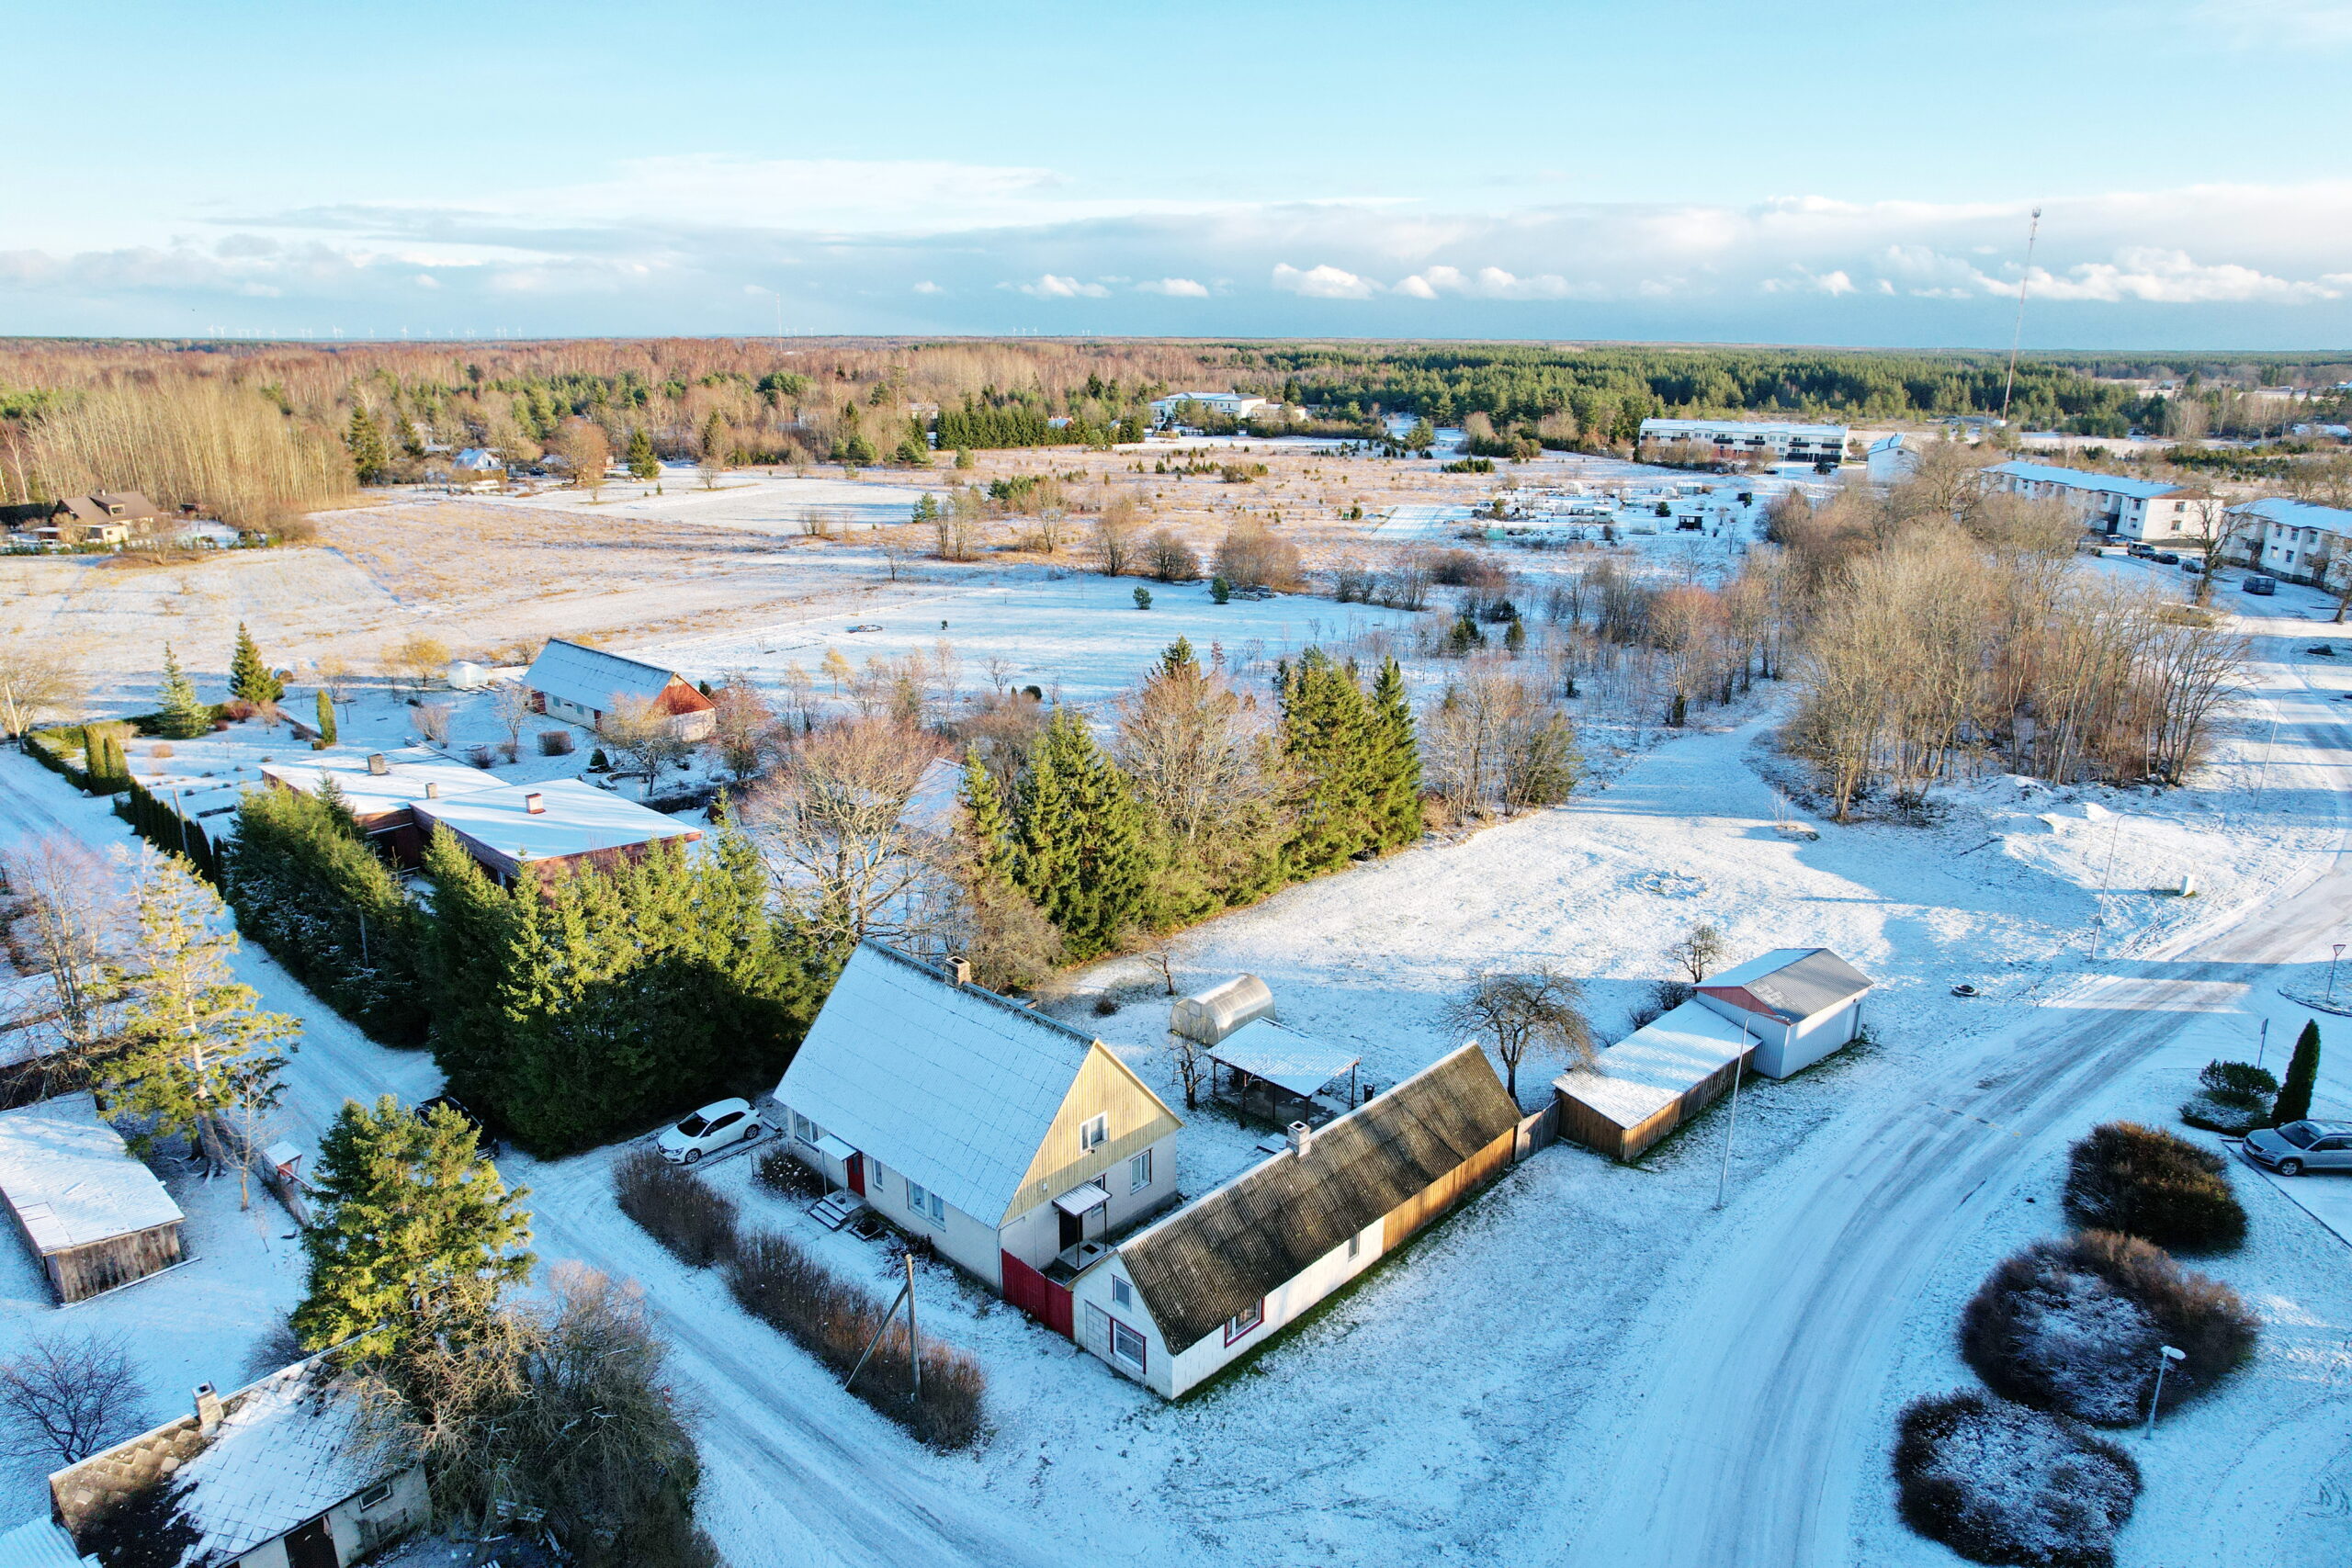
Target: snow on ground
{"points": [[756, 500]]}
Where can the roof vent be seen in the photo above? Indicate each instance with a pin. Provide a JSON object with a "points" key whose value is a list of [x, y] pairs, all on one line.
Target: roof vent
{"points": [[376, 766], [432, 790], [535, 803], [1302, 1138], [959, 970]]}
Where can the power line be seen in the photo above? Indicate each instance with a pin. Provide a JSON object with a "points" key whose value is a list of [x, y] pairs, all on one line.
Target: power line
{"points": [[2017, 335]]}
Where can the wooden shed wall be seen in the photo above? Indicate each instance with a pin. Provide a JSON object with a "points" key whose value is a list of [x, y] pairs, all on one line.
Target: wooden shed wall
{"points": [[81, 1272], [1444, 1192], [1595, 1130]]}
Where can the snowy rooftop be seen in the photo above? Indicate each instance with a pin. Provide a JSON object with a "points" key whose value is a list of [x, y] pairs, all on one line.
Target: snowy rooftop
{"points": [[590, 678], [70, 1178], [2297, 514], [573, 818], [411, 774], [1656, 1064], [40, 1543], [287, 1451], [1746, 426], [1299, 1063], [950, 1084], [1790, 983], [2076, 479]]}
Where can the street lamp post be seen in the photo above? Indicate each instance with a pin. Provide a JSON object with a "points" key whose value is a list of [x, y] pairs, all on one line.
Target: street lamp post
{"points": [[2169, 1356]]}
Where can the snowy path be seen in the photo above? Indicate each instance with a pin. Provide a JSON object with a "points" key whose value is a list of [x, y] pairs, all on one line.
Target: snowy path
{"points": [[1746, 1423]]}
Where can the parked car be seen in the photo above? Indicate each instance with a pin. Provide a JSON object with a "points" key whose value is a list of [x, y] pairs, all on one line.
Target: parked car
{"points": [[2140, 552], [2192, 566], [485, 1140], [2168, 557], [2259, 586], [713, 1127], [2302, 1145]]}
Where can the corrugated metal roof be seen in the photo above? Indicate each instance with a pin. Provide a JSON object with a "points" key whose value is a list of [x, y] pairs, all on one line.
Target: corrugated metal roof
{"points": [[1299, 1063], [2076, 479], [1213, 1259], [952, 1086], [40, 1543], [1790, 983], [1744, 427], [590, 678], [71, 1180]]}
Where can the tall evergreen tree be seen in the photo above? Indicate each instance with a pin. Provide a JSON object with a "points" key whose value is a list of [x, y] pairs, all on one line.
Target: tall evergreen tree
{"points": [[194, 1051], [326, 716], [1325, 725], [1084, 854], [2295, 1101], [413, 1227], [365, 442], [987, 825], [179, 716], [643, 464], [1396, 761], [249, 675]]}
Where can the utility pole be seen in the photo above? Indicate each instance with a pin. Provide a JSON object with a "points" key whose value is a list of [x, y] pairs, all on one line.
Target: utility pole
{"points": [[1722, 1177], [2017, 337], [2331, 970]]}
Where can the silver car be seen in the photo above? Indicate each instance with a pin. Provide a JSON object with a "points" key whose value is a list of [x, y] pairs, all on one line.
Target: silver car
{"points": [[713, 1127], [2302, 1145]]}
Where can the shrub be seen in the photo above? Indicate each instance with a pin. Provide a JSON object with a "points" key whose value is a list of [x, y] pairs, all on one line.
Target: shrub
{"points": [[236, 710], [1143, 598], [2148, 1183], [1105, 1005], [480, 756], [780, 1172], [2075, 1326], [2233, 1099], [696, 1224], [782, 1286], [1665, 997], [555, 743], [2001, 1484]]}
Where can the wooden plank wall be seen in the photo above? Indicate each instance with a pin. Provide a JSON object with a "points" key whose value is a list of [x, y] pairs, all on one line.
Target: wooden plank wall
{"points": [[81, 1272], [1444, 1192]]}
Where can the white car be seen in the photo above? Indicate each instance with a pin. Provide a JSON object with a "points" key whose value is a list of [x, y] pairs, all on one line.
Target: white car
{"points": [[712, 1128]]}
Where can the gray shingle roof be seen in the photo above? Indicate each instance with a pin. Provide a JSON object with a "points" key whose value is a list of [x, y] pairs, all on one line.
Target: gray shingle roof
{"points": [[1209, 1261]]}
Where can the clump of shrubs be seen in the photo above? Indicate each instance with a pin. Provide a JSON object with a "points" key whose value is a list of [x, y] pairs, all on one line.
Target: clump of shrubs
{"points": [[780, 1173], [782, 1286], [555, 743], [1999, 1483], [2232, 1098], [2075, 1326], [2148, 1183], [685, 1214]]}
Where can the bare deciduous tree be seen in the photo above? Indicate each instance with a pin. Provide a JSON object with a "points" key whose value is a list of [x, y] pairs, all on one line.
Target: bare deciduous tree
{"points": [[1115, 535], [37, 680], [77, 916], [644, 735], [589, 450], [1699, 952], [1539, 1010], [511, 701], [418, 659], [64, 1397], [831, 826], [743, 726], [433, 722]]}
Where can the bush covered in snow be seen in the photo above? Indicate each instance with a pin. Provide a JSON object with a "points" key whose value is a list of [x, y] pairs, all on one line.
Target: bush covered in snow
{"points": [[681, 1212], [1999, 1483], [2076, 1327], [2232, 1098], [2148, 1183]]}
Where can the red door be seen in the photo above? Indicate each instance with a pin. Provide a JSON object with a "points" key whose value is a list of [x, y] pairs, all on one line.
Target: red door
{"points": [[855, 1170]]}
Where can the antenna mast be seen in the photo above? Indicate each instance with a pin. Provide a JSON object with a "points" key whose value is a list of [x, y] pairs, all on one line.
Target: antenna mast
{"points": [[2017, 337]]}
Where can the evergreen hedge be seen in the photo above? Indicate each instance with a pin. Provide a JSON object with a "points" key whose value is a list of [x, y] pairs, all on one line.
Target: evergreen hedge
{"points": [[156, 822], [2148, 1183]]}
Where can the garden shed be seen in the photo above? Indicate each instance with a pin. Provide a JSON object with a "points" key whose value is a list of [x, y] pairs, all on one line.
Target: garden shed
{"points": [[1652, 1081], [1209, 1015], [96, 1217], [1800, 1003]]}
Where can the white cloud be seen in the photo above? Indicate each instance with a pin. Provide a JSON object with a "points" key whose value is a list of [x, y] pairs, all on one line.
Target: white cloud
{"points": [[928, 286], [1322, 282], [1176, 288], [1488, 283], [1050, 287], [1806, 281], [2170, 277]]}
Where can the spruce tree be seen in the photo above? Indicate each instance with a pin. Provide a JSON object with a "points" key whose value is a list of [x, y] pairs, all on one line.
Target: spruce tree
{"points": [[2295, 1101], [643, 464], [414, 1227], [194, 1051], [249, 675], [326, 716], [1396, 761], [986, 824], [1324, 735], [179, 717], [1085, 855], [365, 442]]}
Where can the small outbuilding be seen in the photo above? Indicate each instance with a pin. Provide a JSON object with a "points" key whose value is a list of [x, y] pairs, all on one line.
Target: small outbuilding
{"points": [[1649, 1083], [1263, 1067], [1187, 1295], [586, 685], [1209, 1015], [1800, 1003], [95, 1216]]}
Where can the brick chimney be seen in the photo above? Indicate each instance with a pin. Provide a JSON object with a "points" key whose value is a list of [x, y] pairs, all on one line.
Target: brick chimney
{"points": [[959, 972], [208, 1409], [535, 803]]}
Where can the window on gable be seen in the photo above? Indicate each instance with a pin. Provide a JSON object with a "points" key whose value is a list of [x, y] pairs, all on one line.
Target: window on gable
{"points": [[1242, 1322], [1095, 1132], [374, 1496], [1122, 1293], [1139, 1172]]}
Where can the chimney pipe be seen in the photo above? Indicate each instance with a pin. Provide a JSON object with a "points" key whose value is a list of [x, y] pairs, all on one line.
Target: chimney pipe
{"points": [[208, 1409], [377, 766], [1302, 1138], [959, 970], [432, 790], [535, 803]]}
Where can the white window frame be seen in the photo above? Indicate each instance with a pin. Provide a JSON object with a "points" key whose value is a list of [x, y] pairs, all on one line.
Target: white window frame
{"points": [[1355, 1244], [1094, 1131], [1122, 1293], [1139, 1172], [925, 1203]]}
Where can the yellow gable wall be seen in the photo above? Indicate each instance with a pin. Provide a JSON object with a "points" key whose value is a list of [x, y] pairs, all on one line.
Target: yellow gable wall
{"points": [[1103, 1085]]}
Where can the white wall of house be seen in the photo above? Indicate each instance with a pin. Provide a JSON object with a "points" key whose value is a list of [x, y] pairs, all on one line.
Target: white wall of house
{"points": [[969, 1242], [1095, 1307], [1033, 1236], [396, 1508], [1785, 1048]]}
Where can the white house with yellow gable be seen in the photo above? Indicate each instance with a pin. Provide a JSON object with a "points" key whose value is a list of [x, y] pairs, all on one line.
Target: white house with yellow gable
{"points": [[1019, 1147]]}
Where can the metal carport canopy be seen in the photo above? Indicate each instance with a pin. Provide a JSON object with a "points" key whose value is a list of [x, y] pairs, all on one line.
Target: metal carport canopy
{"points": [[1298, 1063]]}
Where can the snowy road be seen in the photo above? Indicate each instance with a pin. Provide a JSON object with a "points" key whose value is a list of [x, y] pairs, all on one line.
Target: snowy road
{"points": [[1747, 1427]]}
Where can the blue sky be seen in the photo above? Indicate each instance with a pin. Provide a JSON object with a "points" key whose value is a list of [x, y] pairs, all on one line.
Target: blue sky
{"points": [[1831, 173]]}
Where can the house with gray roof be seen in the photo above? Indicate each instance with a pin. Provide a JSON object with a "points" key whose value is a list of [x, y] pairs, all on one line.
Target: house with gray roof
{"points": [[277, 1475], [1800, 1004], [1017, 1146], [1181, 1299], [572, 681], [94, 1214]]}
